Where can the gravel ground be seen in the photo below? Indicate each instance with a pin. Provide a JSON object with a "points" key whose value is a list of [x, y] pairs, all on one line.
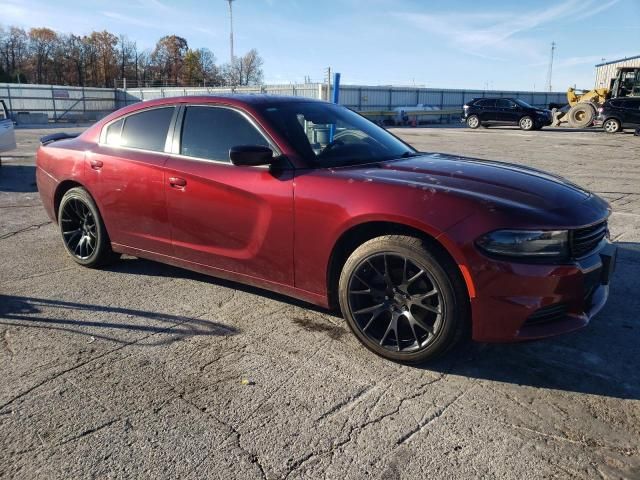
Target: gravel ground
{"points": [[137, 370]]}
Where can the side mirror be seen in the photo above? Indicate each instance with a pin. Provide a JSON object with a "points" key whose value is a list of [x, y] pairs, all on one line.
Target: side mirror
{"points": [[250, 155]]}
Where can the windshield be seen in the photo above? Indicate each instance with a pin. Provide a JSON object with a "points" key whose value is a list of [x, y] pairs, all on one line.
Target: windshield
{"points": [[523, 103], [328, 135]]}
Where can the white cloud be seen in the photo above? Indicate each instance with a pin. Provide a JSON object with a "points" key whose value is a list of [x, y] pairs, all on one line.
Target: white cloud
{"points": [[501, 33]]}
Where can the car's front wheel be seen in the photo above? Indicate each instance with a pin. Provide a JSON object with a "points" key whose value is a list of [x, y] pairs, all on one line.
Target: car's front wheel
{"points": [[473, 121], [83, 233], [403, 300], [527, 123], [611, 125]]}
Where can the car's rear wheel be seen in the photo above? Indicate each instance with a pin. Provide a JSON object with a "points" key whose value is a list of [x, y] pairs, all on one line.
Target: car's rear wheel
{"points": [[473, 121], [527, 123], [83, 233], [611, 125], [402, 300]]}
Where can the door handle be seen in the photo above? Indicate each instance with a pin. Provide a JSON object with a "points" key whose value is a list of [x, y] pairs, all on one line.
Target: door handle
{"points": [[177, 182], [96, 164]]}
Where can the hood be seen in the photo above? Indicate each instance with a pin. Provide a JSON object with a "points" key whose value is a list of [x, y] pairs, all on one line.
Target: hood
{"points": [[487, 181]]}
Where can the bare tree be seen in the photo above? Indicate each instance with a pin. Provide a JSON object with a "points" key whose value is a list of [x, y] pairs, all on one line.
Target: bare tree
{"points": [[42, 42], [245, 70], [99, 58], [168, 57]]}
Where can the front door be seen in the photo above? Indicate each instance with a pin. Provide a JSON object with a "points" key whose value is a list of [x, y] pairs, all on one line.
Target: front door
{"points": [[127, 169], [508, 111], [7, 133], [234, 218]]}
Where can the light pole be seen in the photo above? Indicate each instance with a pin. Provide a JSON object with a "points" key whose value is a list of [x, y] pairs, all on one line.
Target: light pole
{"points": [[231, 28]]}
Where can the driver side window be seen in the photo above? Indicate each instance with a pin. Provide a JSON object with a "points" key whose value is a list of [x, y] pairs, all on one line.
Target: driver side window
{"points": [[210, 132]]}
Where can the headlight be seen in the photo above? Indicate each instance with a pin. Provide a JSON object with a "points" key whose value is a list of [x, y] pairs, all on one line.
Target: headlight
{"points": [[526, 243]]}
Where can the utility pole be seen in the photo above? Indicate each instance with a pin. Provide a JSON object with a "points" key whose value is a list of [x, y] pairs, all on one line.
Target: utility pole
{"points": [[327, 72], [550, 71], [231, 28]]}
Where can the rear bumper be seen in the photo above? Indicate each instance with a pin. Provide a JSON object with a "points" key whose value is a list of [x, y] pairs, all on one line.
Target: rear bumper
{"points": [[524, 302]]}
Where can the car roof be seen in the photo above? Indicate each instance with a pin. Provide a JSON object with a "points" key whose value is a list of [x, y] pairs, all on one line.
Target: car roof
{"points": [[492, 98], [229, 98]]}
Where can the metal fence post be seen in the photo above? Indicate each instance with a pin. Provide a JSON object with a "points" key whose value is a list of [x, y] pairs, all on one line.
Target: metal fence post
{"points": [[390, 97], [9, 98], [53, 100], [359, 98]]}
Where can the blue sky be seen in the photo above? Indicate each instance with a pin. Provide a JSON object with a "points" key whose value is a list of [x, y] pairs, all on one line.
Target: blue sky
{"points": [[443, 44]]}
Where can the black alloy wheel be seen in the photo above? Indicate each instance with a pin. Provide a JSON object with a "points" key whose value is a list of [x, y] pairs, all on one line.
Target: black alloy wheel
{"points": [[395, 302], [83, 233], [79, 229], [402, 300]]}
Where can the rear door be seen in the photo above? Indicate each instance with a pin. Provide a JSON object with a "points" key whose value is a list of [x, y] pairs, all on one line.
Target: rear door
{"points": [[234, 218], [631, 111], [128, 168], [487, 108], [7, 132]]}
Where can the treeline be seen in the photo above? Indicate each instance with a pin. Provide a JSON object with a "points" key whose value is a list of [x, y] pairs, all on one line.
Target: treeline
{"points": [[102, 59]]}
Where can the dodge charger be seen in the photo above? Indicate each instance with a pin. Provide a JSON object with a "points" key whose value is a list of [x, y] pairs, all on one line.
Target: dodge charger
{"points": [[311, 200]]}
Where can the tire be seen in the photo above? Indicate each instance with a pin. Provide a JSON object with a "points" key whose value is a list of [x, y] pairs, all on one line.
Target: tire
{"points": [[527, 123], [611, 125], [473, 121], [83, 233], [403, 299], [581, 115]]}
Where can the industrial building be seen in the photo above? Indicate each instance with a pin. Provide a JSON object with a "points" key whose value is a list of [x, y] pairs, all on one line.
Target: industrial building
{"points": [[606, 71]]}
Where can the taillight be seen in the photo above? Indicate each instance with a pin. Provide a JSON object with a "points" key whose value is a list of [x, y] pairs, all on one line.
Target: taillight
{"points": [[465, 107]]}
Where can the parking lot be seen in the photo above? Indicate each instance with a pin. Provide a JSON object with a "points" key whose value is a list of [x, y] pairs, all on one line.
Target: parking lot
{"points": [[145, 370]]}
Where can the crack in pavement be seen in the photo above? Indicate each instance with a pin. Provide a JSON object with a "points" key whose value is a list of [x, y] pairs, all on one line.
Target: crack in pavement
{"points": [[81, 364], [424, 423], [253, 458], [338, 407], [356, 429], [25, 229]]}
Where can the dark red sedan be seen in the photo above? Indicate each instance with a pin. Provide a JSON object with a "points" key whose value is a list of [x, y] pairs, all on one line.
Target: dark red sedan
{"points": [[312, 200]]}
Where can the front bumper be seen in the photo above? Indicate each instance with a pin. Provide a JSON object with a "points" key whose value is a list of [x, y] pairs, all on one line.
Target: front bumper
{"points": [[520, 302]]}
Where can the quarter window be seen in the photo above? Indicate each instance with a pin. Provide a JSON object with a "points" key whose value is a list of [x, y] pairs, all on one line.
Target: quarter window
{"points": [[113, 133], [209, 132], [146, 130]]}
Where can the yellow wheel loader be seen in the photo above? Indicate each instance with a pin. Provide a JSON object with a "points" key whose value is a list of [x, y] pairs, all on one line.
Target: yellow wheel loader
{"points": [[585, 103]]}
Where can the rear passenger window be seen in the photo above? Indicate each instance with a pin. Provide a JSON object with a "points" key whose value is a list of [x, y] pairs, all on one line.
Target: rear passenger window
{"points": [[209, 132], [487, 103], [147, 130]]}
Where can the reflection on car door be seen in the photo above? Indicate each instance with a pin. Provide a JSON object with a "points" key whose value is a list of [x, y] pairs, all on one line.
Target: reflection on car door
{"points": [[7, 132], [127, 169], [234, 218]]}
